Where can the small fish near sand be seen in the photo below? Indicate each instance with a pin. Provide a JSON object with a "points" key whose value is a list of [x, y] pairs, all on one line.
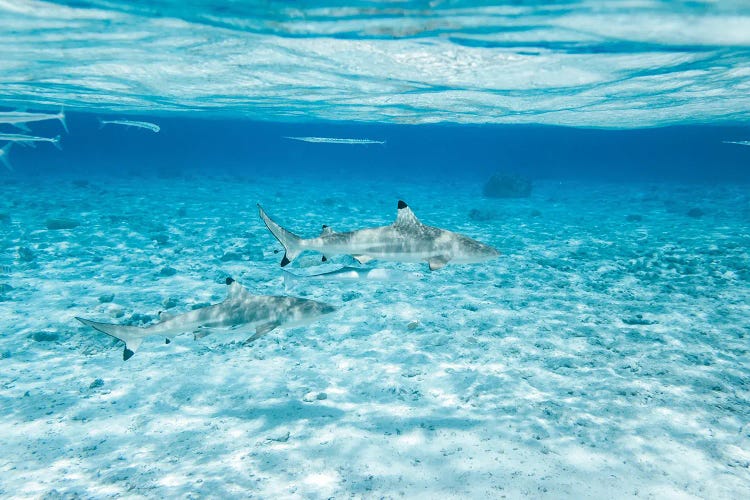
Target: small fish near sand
{"points": [[335, 140], [238, 312], [406, 240], [20, 118], [29, 140], [131, 123]]}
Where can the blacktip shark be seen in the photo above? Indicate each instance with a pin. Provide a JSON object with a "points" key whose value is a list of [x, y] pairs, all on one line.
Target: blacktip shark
{"points": [[30, 139], [334, 140], [153, 127], [406, 240], [239, 311], [20, 118]]}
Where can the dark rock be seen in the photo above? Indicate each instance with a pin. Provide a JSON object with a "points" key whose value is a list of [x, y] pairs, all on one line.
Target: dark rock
{"points": [[503, 185], [481, 215], [167, 271], [25, 254], [169, 303], [633, 218], [638, 320], [45, 336], [160, 238], [96, 384], [695, 213], [106, 298], [56, 224], [349, 296]]}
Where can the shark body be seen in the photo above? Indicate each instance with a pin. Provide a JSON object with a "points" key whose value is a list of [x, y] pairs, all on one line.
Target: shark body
{"points": [[153, 127], [19, 119], [29, 139], [239, 311], [406, 240]]}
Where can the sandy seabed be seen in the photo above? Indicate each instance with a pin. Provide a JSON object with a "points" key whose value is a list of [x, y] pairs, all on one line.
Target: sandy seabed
{"points": [[604, 354]]}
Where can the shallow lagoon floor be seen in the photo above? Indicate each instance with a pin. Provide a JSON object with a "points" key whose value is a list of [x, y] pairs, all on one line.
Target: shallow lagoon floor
{"points": [[601, 355]]}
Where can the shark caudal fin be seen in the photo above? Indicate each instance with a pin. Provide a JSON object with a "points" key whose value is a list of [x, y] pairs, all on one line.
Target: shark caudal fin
{"points": [[290, 241], [4, 156], [131, 335], [61, 117]]}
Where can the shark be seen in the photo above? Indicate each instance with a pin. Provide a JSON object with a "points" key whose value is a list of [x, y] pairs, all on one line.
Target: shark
{"points": [[29, 140], [20, 118], [335, 140], [153, 127], [239, 311], [406, 240]]}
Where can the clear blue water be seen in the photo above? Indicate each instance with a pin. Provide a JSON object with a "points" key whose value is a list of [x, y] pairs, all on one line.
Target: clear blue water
{"points": [[603, 354]]}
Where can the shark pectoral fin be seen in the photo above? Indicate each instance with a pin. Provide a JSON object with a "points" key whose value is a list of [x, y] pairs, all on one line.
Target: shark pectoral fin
{"points": [[437, 262], [362, 259], [263, 329]]}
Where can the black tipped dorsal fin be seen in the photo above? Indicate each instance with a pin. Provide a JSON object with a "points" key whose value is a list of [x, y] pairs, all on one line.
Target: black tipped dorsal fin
{"points": [[326, 230], [404, 215]]}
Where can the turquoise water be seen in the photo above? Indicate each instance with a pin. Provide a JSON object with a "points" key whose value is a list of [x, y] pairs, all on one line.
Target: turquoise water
{"points": [[603, 354]]}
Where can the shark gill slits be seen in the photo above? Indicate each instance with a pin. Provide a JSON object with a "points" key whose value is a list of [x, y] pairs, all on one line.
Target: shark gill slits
{"points": [[402, 204], [229, 281]]}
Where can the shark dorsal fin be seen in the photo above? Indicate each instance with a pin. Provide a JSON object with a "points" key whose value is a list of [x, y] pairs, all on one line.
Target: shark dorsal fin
{"points": [[236, 291], [404, 215], [326, 230]]}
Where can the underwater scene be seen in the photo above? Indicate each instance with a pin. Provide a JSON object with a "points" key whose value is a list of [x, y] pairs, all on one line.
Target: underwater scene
{"points": [[374, 249]]}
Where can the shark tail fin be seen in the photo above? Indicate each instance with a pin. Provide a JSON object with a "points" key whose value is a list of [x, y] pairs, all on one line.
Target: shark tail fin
{"points": [[290, 241], [132, 335], [61, 117], [4, 157]]}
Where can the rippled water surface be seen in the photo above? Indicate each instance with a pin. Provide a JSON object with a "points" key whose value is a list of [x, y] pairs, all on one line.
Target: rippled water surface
{"points": [[588, 63]]}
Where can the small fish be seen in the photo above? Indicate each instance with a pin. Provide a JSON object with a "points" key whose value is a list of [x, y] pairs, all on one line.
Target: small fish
{"points": [[4, 156], [741, 143], [129, 123], [30, 139], [354, 274], [240, 310], [335, 140], [406, 240], [19, 118]]}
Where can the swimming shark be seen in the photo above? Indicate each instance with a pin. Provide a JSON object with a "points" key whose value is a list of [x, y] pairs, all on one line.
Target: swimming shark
{"points": [[153, 127], [29, 140], [406, 240], [20, 118], [239, 311]]}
